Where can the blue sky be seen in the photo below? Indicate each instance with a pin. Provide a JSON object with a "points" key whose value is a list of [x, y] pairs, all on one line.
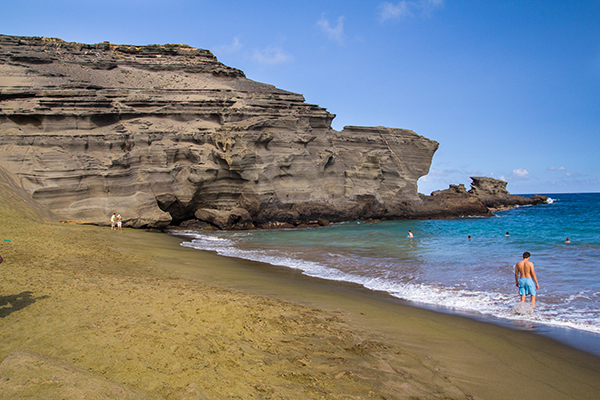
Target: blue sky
{"points": [[510, 89]]}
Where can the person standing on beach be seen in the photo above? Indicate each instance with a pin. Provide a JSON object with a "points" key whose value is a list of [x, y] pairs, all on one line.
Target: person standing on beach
{"points": [[113, 221], [525, 279], [119, 222]]}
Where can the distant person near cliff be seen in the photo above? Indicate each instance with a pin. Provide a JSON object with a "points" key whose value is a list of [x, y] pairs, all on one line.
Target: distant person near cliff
{"points": [[113, 221], [119, 222], [525, 279]]}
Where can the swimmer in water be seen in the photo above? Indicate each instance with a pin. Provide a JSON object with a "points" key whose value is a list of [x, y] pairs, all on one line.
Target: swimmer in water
{"points": [[410, 234]]}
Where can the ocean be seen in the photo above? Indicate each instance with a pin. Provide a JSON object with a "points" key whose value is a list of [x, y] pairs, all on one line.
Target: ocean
{"points": [[440, 268]]}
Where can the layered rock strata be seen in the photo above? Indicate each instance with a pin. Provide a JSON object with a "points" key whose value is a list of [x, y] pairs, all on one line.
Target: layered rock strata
{"points": [[485, 196], [166, 134], [493, 194]]}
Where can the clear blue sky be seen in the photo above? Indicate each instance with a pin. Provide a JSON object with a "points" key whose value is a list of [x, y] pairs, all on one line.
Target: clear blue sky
{"points": [[510, 89]]}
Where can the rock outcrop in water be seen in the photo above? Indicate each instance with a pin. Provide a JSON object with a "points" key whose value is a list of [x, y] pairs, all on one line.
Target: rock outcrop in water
{"points": [[493, 194], [166, 134], [485, 196]]}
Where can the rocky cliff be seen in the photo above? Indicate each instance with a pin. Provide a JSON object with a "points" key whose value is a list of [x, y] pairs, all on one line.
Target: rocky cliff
{"points": [[485, 196], [166, 134]]}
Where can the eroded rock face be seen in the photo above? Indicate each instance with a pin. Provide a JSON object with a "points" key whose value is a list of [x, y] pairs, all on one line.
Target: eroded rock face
{"points": [[163, 134], [493, 194], [486, 195]]}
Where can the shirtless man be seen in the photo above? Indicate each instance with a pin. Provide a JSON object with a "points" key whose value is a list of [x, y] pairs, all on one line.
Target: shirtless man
{"points": [[525, 278]]}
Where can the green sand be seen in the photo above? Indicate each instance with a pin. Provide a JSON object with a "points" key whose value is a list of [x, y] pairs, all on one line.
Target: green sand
{"points": [[136, 308]]}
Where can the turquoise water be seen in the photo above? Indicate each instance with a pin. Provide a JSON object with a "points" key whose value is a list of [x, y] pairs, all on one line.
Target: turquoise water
{"points": [[441, 268]]}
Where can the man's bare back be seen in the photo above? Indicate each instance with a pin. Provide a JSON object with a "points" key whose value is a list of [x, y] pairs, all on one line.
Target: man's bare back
{"points": [[525, 268]]}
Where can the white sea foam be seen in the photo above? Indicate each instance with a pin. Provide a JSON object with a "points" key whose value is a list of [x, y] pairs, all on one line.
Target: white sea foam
{"points": [[496, 304]]}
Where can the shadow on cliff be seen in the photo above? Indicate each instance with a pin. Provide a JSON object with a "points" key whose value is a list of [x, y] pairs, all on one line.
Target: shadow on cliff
{"points": [[10, 304], [17, 203]]}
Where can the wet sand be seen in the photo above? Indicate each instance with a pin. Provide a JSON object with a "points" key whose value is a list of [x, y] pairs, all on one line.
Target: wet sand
{"points": [[135, 308]]}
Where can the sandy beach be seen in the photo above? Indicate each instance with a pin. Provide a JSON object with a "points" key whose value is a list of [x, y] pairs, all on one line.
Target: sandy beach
{"points": [[136, 309]]}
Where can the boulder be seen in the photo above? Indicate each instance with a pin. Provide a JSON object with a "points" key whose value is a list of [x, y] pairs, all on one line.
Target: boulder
{"points": [[237, 218]]}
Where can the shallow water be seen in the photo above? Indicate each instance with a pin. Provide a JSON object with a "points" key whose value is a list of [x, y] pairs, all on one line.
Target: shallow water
{"points": [[441, 268]]}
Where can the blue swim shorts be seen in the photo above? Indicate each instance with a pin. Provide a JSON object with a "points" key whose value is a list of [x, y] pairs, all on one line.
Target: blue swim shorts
{"points": [[526, 286]]}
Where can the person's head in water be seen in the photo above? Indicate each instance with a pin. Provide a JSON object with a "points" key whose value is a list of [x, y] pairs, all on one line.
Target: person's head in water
{"points": [[526, 255]]}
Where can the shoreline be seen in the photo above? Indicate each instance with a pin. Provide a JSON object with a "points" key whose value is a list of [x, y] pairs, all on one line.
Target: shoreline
{"points": [[136, 308], [583, 340]]}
